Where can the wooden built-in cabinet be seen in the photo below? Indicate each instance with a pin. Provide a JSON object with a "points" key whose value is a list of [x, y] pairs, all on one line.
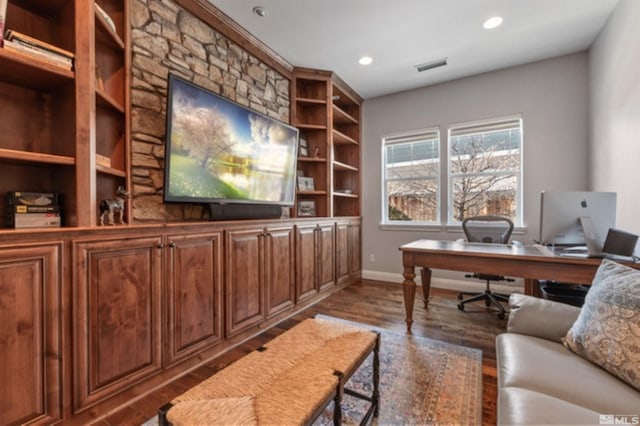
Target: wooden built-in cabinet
{"points": [[111, 98], [347, 250], [315, 259], [116, 315], [193, 271], [30, 340], [93, 318], [259, 275], [56, 120], [327, 113]]}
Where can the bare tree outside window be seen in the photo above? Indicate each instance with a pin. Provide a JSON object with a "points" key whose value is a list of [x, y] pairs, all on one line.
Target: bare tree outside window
{"points": [[485, 173], [412, 178]]}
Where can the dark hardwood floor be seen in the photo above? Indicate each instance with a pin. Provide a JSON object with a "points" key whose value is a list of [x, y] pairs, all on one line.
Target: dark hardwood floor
{"points": [[375, 303]]}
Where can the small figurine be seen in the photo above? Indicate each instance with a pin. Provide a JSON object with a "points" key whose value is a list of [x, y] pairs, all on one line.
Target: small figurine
{"points": [[316, 152], [111, 206]]}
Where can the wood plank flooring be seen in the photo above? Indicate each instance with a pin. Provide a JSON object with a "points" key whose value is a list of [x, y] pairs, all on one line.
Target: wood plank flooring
{"points": [[370, 302]]}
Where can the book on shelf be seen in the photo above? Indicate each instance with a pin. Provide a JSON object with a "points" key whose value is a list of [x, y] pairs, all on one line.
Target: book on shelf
{"points": [[34, 220], [105, 17], [49, 58], [37, 44], [27, 198], [3, 18], [18, 210], [33, 210]]}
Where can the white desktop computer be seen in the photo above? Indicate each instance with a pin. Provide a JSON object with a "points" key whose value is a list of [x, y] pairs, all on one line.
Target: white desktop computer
{"points": [[560, 213]]}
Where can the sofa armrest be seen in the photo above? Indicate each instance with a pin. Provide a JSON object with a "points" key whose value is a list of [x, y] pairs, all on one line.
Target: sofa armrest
{"points": [[540, 317]]}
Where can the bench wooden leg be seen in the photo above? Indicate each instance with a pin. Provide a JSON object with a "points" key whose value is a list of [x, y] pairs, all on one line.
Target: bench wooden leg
{"points": [[162, 414], [375, 397], [337, 400]]}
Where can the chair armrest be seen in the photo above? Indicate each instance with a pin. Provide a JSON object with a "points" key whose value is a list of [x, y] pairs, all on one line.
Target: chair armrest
{"points": [[540, 317]]}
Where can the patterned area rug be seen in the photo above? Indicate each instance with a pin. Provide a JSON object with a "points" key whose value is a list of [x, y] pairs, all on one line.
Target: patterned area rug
{"points": [[422, 382]]}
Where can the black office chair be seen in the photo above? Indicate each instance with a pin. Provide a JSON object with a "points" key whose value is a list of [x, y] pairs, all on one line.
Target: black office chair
{"points": [[487, 229]]}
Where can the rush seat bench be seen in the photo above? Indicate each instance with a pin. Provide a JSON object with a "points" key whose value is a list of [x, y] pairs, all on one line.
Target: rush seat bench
{"points": [[289, 380]]}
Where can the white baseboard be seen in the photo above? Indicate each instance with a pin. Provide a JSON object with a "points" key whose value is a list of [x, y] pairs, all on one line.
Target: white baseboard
{"points": [[446, 283]]}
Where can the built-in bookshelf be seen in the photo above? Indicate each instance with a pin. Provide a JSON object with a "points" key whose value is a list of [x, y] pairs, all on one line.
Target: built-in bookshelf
{"points": [[327, 113], [56, 120]]}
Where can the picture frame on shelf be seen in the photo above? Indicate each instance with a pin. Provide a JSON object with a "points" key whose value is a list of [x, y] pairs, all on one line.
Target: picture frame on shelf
{"points": [[303, 148], [306, 184], [306, 208]]}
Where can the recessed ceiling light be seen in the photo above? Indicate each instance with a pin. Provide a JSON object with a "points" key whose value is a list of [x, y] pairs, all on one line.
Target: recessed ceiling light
{"points": [[260, 11], [365, 60], [492, 22]]}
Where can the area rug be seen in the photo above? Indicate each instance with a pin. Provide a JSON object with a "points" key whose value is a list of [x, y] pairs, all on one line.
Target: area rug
{"points": [[422, 382]]}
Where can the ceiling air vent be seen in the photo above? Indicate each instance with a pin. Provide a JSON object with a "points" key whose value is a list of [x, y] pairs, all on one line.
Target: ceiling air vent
{"points": [[433, 64]]}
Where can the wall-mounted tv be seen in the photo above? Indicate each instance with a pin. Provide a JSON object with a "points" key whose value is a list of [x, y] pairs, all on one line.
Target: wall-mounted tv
{"points": [[219, 152]]}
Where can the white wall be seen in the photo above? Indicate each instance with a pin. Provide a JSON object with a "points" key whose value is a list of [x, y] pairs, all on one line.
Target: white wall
{"points": [[552, 96], [615, 112]]}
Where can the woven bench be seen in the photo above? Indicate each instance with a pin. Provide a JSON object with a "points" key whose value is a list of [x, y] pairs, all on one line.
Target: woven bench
{"points": [[289, 380]]}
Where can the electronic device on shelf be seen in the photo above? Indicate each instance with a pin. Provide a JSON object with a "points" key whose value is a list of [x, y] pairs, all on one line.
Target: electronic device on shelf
{"points": [[560, 213], [223, 154]]}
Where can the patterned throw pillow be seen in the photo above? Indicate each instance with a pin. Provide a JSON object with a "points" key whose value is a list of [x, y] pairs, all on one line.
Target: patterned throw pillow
{"points": [[607, 331]]}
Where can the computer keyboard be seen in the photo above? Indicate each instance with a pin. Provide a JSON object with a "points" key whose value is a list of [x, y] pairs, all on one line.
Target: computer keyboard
{"points": [[575, 249]]}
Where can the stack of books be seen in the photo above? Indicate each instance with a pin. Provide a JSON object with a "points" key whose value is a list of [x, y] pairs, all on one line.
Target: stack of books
{"points": [[33, 210], [38, 49]]}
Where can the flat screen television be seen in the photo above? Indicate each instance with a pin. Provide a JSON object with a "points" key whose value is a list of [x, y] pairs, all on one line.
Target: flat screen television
{"points": [[560, 213], [220, 152]]}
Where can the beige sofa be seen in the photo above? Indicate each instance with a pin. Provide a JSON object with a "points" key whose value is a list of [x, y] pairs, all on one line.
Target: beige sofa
{"points": [[542, 382]]}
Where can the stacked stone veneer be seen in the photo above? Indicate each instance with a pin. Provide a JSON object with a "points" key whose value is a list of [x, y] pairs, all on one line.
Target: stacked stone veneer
{"points": [[165, 38]]}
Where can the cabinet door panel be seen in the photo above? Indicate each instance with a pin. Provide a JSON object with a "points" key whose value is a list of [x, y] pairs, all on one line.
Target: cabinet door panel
{"points": [[280, 276], [243, 286], [29, 334], [326, 256], [355, 255], [342, 252], [194, 293], [118, 315], [306, 262]]}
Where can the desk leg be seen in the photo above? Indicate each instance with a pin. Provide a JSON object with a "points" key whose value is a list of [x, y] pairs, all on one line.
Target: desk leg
{"points": [[409, 291], [425, 276], [532, 287]]}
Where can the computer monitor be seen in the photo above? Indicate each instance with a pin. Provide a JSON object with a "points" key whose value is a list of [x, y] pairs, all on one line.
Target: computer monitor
{"points": [[560, 212]]}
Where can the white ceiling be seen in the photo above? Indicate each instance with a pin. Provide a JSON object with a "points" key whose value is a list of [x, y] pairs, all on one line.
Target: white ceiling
{"points": [[398, 35]]}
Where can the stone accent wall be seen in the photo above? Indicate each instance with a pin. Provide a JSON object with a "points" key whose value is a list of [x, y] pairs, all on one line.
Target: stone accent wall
{"points": [[165, 38]]}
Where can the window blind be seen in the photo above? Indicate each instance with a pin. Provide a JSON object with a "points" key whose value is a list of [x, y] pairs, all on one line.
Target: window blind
{"points": [[506, 123]]}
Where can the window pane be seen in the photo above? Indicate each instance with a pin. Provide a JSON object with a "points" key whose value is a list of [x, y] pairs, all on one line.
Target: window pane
{"points": [[412, 177], [412, 159], [486, 152], [413, 200], [484, 195]]}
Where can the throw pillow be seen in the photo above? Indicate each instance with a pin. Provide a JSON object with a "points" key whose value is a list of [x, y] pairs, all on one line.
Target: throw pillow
{"points": [[607, 331]]}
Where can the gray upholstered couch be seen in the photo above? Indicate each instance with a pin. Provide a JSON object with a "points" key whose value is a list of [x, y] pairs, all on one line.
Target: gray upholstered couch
{"points": [[542, 382]]}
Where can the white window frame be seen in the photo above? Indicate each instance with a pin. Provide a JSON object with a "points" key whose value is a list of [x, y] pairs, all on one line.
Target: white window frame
{"points": [[429, 133], [484, 126]]}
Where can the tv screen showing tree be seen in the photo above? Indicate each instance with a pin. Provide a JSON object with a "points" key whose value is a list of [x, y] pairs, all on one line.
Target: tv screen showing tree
{"points": [[220, 151]]}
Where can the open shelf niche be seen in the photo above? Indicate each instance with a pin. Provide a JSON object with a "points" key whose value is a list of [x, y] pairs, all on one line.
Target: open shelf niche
{"points": [[327, 113], [58, 121]]}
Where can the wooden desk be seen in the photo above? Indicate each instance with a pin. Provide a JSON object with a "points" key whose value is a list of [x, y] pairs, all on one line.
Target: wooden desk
{"points": [[530, 262]]}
